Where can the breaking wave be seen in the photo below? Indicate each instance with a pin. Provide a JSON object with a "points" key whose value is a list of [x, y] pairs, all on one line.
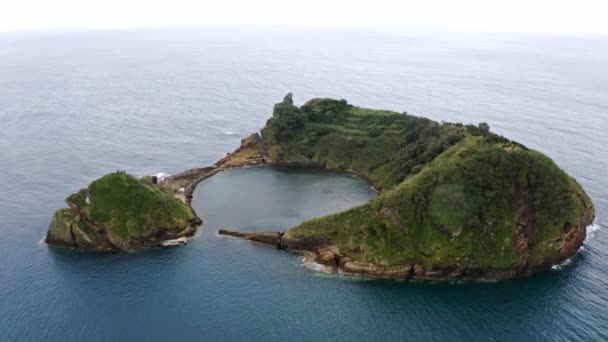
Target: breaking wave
{"points": [[562, 265], [592, 231], [309, 263]]}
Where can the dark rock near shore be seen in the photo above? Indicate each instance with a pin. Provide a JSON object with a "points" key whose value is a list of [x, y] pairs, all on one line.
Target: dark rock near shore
{"points": [[267, 238]]}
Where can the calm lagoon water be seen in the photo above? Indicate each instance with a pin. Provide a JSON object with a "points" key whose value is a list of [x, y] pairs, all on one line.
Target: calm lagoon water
{"points": [[74, 106]]}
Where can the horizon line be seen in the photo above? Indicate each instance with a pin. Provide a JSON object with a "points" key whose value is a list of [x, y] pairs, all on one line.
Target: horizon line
{"points": [[400, 28]]}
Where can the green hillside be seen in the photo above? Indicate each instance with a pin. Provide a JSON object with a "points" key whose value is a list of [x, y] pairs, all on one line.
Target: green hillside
{"points": [[453, 195]]}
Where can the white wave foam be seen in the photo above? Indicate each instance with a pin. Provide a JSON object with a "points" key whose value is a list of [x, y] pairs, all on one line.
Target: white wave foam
{"points": [[309, 263], [228, 133], [562, 265], [160, 176], [592, 231], [594, 227]]}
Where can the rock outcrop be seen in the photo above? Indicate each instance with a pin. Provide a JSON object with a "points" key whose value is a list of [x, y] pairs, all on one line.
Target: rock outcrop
{"points": [[251, 152]]}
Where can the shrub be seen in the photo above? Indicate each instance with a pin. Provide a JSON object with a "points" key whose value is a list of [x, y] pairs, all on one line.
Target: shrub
{"points": [[374, 132]]}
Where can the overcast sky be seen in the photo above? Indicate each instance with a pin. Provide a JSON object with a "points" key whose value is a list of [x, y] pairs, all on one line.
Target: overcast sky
{"points": [[557, 16]]}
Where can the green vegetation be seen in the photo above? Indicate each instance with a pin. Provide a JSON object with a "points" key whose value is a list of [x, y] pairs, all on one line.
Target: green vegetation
{"points": [[130, 209], [386, 146], [124, 209], [79, 199], [454, 195]]}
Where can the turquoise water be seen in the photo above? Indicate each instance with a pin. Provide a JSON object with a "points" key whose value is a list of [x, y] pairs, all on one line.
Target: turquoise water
{"points": [[74, 106]]}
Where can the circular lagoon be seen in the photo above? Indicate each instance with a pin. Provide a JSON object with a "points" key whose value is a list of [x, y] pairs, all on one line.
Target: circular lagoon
{"points": [[274, 198]]}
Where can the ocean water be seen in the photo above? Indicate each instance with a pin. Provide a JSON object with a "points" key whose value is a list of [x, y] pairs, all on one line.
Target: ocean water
{"points": [[77, 105]]}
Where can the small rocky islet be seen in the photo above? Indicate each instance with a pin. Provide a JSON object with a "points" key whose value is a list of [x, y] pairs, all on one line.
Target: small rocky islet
{"points": [[456, 202], [119, 212]]}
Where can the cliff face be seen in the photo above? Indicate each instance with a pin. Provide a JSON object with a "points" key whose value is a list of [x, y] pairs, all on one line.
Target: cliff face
{"points": [[458, 202], [119, 212]]}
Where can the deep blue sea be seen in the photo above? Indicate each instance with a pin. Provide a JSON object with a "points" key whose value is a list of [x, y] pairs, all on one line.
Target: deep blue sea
{"points": [[77, 105]]}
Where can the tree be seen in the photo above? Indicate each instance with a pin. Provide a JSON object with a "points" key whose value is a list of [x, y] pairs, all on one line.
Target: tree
{"points": [[484, 127]]}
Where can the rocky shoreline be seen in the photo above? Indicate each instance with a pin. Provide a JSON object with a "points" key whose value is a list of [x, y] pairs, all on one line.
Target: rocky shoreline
{"points": [[326, 254]]}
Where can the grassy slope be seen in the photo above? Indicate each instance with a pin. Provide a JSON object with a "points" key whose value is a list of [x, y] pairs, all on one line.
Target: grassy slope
{"points": [[348, 144], [129, 208], [469, 187]]}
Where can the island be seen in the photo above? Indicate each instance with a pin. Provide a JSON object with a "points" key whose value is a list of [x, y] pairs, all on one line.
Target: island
{"points": [[120, 212], [456, 202]]}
